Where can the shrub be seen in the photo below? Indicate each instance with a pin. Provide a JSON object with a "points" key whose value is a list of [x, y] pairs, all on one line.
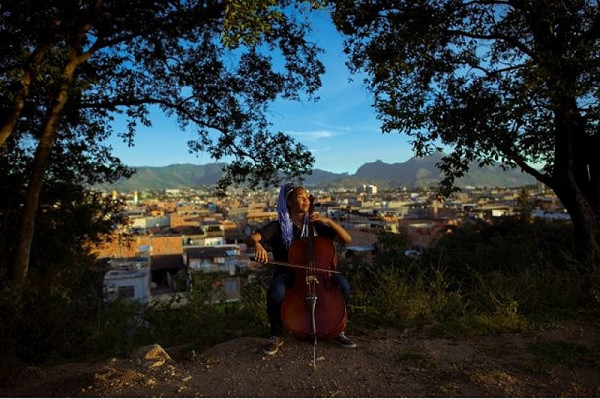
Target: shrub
{"points": [[480, 279]]}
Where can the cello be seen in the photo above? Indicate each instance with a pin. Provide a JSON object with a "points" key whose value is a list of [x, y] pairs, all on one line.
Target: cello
{"points": [[313, 308]]}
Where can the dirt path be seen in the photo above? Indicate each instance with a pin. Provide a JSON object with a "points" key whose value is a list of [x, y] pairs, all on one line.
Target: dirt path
{"points": [[388, 363]]}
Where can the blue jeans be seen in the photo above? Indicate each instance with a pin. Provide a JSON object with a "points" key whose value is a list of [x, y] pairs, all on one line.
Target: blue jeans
{"points": [[282, 281]]}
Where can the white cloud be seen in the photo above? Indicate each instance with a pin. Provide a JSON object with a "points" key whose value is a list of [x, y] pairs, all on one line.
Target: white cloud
{"points": [[333, 127], [314, 135]]}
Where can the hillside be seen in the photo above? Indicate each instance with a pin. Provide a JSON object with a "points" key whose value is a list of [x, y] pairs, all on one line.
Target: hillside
{"points": [[171, 176], [416, 172], [387, 363], [423, 172]]}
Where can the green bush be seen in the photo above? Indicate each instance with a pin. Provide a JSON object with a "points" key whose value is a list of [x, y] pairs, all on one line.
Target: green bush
{"points": [[204, 319], [120, 327], [385, 295], [54, 318], [480, 279]]}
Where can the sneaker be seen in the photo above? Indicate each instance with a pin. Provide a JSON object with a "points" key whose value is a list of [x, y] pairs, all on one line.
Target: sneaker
{"points": [[345, 342], [272, 345]]}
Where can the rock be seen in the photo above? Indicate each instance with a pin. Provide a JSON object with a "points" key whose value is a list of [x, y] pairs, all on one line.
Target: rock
{"points": [[182, 352], [151, 356]]}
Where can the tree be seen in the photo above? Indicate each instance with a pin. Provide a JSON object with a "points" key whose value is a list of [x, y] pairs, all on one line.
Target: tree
{"points": [[70, 217], [79, 161], [78, 64], [513, 81], [62, 280], [524, 205]]}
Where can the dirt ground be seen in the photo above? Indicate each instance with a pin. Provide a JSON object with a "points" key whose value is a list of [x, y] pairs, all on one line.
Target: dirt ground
{"points": [[387, 363]]}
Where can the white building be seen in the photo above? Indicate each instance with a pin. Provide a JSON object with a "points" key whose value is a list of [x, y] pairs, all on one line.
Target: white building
{"points": [[173, 192], [147, 222], [370, 189], [129, 279], [209, 259]]}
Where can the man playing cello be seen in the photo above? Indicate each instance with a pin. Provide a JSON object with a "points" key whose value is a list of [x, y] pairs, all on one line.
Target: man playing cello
{"points": [[293, 218]]}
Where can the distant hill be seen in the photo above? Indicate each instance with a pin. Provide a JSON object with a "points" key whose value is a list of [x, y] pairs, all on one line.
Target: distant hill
{"points": [[416, 172], [422, 172], [171, 176]]}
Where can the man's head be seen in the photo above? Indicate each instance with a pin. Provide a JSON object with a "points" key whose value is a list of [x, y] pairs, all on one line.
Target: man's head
{"points": [[297, 200], [291, 201]]}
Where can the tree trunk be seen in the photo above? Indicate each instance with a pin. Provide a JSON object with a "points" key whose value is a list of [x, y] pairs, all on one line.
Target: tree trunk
{"points": [[6, 221], [40, 162], [586, 226], [8, 126], [42, 156], [587, 235], [575, 181]]}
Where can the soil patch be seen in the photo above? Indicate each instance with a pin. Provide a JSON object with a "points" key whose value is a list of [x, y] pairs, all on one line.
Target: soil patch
{"points": [[387, 363]]}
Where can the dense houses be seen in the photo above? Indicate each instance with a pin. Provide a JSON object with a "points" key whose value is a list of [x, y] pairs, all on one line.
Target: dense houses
{"points": [[175, 237]]}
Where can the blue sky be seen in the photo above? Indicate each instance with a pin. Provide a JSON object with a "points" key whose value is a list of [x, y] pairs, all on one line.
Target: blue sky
{"points": [[341, 129]]}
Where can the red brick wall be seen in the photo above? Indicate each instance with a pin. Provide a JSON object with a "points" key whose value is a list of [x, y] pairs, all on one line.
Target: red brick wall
{"points": [[161, 245]]}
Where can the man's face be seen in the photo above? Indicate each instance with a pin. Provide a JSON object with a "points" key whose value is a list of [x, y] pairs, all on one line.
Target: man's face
{"points": [[298, 200]]}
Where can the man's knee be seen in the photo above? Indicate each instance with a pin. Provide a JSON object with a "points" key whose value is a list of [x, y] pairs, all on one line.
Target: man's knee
{"points": [[276, 291], [343, 284]]}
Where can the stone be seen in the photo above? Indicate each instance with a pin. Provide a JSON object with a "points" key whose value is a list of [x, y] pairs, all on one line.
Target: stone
{"points": [[151, 356]]}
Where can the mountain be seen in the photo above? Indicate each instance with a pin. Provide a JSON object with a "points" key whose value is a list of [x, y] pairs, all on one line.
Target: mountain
{"points": [[420, 172], [320, 177], [171, 176], [416, 172]]}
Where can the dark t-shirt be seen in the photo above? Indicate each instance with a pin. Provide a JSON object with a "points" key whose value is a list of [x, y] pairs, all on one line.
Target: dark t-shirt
{"points": [[271, 238]]}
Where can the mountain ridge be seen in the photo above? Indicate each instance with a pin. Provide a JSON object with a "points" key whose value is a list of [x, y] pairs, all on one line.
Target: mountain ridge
{"points": [[413, 173]]}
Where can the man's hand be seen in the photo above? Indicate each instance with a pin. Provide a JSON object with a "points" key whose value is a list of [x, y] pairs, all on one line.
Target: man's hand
{"points": [[316, 217], [341, 233], [260, 254]]}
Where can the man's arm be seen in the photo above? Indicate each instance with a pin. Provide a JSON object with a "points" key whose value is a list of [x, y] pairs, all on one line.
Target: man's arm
{"points": [[341, 234], [260, 253]]}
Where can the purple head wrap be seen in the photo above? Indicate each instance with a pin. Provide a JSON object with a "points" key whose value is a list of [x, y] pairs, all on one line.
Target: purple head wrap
{"points": [[283, 214]]}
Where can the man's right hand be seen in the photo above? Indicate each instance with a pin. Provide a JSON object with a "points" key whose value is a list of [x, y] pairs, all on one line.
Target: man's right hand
{"points": [[260, 254]]}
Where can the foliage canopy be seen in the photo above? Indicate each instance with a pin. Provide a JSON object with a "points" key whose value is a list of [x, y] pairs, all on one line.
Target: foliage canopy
{"points": [[69, 69], [509, 81]]}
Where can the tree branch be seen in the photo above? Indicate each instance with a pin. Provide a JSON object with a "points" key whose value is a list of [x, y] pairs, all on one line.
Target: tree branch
{"points": [[177, 106], [516, 157], [495, 36], [487, 3], [589, 37], [19, 102], [497, 71], [544, 178]]}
